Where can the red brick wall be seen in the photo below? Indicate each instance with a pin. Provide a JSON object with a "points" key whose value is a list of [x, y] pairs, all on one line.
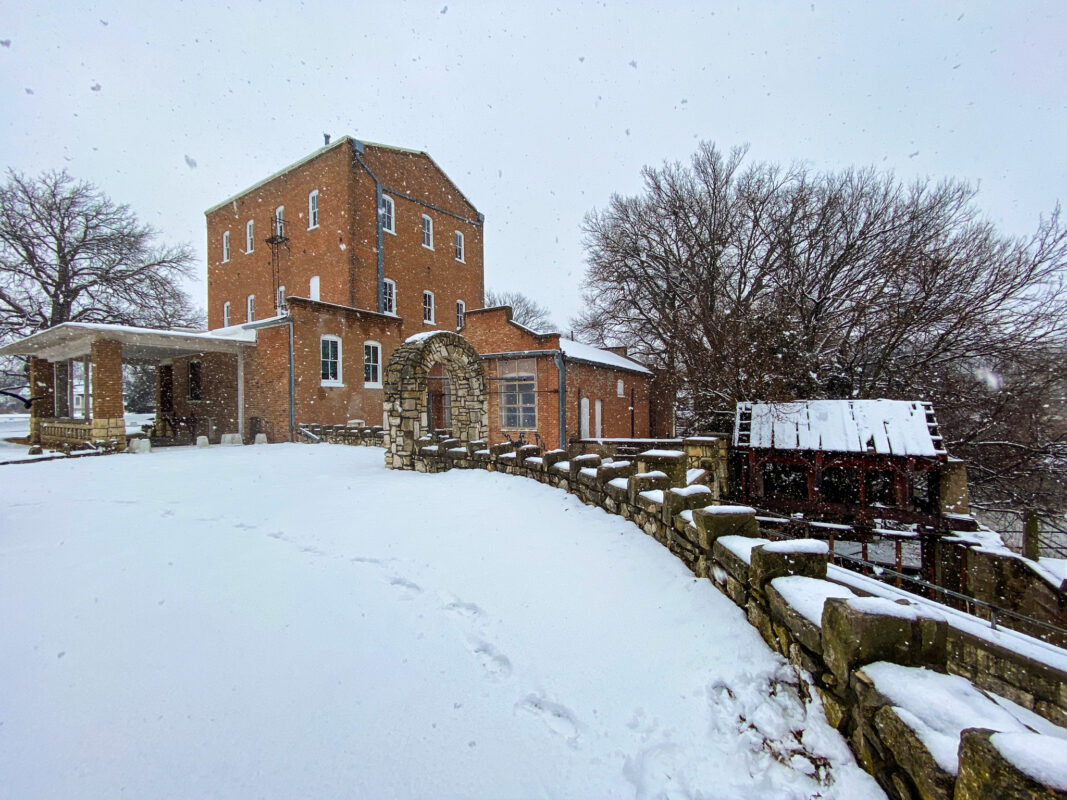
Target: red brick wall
{"points": [[218, 393], [326, 251], [107, 379], [342, 251], [490, 331]]}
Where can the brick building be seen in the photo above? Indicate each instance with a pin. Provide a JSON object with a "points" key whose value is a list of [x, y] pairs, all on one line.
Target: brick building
{"points": [[554, 390], [316, 274]]}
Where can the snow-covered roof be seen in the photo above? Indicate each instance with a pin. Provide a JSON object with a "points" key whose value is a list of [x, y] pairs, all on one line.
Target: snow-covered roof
{"points": [[73, 339], [886, 427], [594, 355]]}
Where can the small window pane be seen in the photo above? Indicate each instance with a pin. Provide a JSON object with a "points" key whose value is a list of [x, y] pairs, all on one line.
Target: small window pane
{"points": [[330, 360], [371, 363]]}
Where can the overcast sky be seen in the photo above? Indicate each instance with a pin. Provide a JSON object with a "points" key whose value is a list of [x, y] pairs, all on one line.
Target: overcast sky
{"points": [[538, 112]]}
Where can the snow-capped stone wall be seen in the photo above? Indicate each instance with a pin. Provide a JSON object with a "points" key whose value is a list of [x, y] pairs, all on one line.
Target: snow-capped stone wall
{"points": [[880, 669]]}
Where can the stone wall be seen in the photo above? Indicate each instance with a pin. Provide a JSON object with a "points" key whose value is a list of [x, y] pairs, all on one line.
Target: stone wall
{"points": [[858, 651]]}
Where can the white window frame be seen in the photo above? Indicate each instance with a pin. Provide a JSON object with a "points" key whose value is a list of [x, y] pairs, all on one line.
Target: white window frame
{"points": [[518, 394], [280, 299], [461, 250], [337, 381], [225, 246], [598, 418], [427, 232], [250, 237], [250, 308], [226, 314], [314, 288], [389, 297], [461, 314], [279, 221], [432, 307], [388, 214], [313, 209], [372, 384], [620, 388]]}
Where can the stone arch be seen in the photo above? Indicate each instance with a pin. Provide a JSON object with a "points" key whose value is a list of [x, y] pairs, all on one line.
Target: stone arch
{"points": [[406, 401]]}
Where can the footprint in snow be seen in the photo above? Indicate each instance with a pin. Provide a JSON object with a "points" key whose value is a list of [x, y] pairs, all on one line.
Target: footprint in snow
{"points": [[366, 560], [404, 583], [469, 610], [496, 664], [559, 719]]}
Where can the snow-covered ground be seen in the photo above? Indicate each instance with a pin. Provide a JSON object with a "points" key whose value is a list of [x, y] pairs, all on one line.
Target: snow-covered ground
{"points": [[297, 621]]}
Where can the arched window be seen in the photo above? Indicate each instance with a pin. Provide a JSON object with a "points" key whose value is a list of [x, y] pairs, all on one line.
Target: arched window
{"points": [[331, 361], [388, 213], [372, 365], [389, 297]]}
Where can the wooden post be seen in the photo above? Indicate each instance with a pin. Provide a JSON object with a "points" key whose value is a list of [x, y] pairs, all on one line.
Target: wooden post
{"points": [[900, 560], [1031, 536]]}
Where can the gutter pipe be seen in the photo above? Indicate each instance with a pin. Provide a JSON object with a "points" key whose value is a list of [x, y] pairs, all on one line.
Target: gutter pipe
{"points": [[357, 151]]}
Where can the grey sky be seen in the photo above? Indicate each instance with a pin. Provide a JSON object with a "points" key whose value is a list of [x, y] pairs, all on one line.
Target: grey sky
{"points": [[539, 112]]}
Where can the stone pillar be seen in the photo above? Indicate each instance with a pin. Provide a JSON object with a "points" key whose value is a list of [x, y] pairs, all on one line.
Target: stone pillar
{"points": [[107, 414], [954, 498], [42, 386]]}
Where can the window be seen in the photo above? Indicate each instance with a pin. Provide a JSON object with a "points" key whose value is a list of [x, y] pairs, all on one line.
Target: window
{"points": [[620, 390], [250, 237], [195, 386], [388, 214], [226, 315], [313, 289], [427, 307], [280, 301], [331, 361], [372, 364], [461, 314], [250, 307], [518, 394], [225, 247], [459, 246], [841, 485], [279, 221], [313, 210], [427, 232], [598, 416], [388, 297]]}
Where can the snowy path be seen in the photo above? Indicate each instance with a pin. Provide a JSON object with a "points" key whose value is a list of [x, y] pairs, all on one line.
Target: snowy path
{"points": [[295, 621]]}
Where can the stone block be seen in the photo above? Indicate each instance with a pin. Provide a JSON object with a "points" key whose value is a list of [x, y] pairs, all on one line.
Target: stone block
{"points": [[803, 630], [805, 557], [990, 767], [861, 630], [711, 522], [647, 481], [670, 462], [677, 500], [261, 438], [552, 457], [201, 441], [909, 752], [498, 450], [232, 439]]}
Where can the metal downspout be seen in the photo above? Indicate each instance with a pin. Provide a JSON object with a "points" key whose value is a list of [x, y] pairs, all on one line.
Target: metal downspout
{"points": [[357, 152], [561, 366], [292, 386]]}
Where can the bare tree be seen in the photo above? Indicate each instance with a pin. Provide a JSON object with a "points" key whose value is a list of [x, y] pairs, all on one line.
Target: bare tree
{"points": [[525, 310], [750, 282], [70, 254]]}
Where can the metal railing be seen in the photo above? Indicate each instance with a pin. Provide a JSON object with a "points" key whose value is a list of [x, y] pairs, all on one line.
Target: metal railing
{"points": [[970, 604]]}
